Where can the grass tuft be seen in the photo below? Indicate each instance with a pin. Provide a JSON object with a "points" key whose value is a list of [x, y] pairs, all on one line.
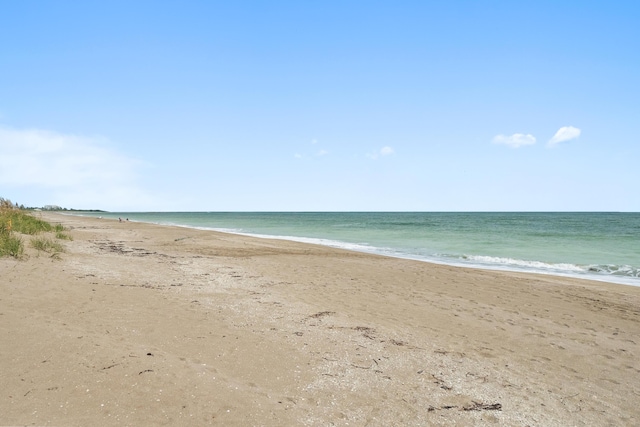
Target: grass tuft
{"points": [[47, 245], [10, 245], [62, 236]]}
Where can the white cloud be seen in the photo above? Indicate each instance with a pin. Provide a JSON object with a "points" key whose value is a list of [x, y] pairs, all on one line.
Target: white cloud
{"points": [[78, 172], [516, 140], [384, 151], [322, 153], [565, 133]]}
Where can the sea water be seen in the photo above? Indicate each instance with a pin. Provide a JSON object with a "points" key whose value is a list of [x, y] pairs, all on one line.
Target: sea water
{"points": [[600, 246]]}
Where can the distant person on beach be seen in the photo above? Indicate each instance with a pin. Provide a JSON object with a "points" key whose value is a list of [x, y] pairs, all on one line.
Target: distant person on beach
{"points": [[120, 219]]}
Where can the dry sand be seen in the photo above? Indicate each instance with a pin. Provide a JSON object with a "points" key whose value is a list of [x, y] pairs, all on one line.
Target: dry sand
{"points": [[138, 324]]}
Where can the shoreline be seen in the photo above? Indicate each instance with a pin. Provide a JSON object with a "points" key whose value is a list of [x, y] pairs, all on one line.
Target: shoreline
{"points": [[146, 324], [606, 278]]}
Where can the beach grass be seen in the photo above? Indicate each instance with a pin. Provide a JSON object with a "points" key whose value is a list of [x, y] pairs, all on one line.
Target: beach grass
{"points": [[60, 232], [23, 222], [63, 236], [14, 220], [10, 245], [46, 244]]}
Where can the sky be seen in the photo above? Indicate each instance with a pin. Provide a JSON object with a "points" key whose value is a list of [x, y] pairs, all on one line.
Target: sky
{"points": [[321, 105]]}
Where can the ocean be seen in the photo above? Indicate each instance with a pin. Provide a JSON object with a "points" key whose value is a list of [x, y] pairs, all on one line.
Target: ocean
{"points": [[601, 246]]}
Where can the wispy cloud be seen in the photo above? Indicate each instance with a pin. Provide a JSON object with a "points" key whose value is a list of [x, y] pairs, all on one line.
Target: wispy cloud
{"points": [[515, 141], [384, 151], [565, 133], [77, 171], [320, 152]]}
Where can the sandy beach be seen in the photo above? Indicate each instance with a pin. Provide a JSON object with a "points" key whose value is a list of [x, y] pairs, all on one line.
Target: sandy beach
{"points": [[139, 324]]}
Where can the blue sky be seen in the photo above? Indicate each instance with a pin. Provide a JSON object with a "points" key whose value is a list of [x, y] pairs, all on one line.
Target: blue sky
{"points": [[321, 106]]}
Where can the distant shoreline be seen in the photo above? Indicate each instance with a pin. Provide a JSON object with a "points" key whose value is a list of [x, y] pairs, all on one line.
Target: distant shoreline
{"points": [[488, 263]]}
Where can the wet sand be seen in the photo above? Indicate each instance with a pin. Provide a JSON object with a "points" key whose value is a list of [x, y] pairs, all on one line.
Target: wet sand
{"points": [[139, 324]]}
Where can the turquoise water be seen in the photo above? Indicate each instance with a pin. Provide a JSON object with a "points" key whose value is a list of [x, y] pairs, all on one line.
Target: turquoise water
{"points": [[601, 246]]}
